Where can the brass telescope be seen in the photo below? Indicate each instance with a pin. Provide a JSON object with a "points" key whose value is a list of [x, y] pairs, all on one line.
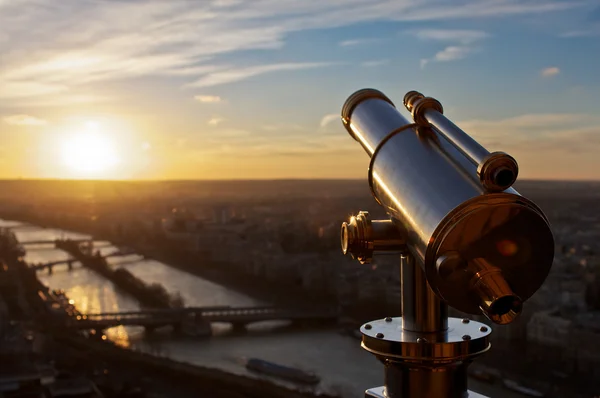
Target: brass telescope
{"points": [[464, 236]]}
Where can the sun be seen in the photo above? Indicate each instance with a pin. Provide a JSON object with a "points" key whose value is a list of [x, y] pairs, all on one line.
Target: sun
{"points": [[89, 152]]}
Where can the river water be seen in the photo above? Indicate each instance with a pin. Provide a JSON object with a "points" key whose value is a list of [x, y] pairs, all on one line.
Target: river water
{"points": [[340, 362]]}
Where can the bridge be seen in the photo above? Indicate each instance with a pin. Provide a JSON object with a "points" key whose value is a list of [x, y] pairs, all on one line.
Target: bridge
{"points": [[178, 317], [58, 241], [70, 261]]}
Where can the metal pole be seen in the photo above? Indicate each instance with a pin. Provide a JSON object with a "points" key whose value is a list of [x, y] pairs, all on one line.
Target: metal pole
{"points": [[422, 310], [425, 317]]}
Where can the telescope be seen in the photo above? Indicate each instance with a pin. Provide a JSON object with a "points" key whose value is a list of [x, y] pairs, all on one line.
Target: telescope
{"points": [[464, 238]]}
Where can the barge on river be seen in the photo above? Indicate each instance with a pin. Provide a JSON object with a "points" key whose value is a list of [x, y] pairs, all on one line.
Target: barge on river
{"points": [[283, 372]]}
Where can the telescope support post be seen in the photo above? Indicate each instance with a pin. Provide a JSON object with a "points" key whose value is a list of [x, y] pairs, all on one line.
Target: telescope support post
{"points": [[422, 310], [425, 353]]}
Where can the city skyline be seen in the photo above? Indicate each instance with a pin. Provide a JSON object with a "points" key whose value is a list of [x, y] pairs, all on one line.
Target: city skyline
{"points": [[253, 90]]}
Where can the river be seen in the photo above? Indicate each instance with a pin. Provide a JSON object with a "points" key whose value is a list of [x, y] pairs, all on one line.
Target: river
{"points": [[343, 366]]}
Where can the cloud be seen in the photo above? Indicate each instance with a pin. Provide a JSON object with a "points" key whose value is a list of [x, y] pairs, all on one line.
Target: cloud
{"points": [[24, 120], [375, 63], [465, 40], [233, 74], [588, 32], [550, 71], [451, 35], [79, 43], [452, 53], [239, 145], [357, 42], [589, 28], [208, 98], [328, 119], [20, 89], [282, 127], [558, 132], [215, 121]]}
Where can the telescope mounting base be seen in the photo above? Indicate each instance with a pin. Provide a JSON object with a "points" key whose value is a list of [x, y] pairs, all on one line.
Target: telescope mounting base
{"points": [[425, 365], [379, 392]]}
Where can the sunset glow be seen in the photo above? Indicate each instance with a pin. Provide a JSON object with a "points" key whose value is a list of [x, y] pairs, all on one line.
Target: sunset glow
{"points": [[244, 90], [89, 153]]}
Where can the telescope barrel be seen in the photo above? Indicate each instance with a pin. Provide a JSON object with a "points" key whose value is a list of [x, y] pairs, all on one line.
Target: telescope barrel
{"points": [[497, 171], [482, 250], [468, 145]]}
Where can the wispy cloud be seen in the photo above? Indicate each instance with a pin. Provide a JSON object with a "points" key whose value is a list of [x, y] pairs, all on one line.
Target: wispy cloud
{"points": [[550, 71], [77, 43], [282, 127], [327, 119], [558, 132], [452, 35], [375, 63], [465, 43], [254, 146], [591, 31], [25, 120], [357, 42], [588, 28], [215, 121], [452, 53], [208, 98], [232, 74]]}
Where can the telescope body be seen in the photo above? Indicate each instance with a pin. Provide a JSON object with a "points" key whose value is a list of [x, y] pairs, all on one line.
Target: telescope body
{"points": [[464, 236], [482, 250]]}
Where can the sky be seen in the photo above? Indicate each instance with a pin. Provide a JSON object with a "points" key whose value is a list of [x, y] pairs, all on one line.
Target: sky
{"points": [[230, 89]]}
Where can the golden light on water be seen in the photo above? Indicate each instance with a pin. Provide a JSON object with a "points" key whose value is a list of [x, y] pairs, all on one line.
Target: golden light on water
{"points": [[89, 152]]}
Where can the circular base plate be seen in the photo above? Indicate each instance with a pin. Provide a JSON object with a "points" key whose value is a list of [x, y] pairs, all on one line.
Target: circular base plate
{"points": [[463, 339]]}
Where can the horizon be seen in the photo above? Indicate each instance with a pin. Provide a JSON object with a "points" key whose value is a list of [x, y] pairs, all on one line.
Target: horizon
{"points": [[230, 90], [357, 179]]}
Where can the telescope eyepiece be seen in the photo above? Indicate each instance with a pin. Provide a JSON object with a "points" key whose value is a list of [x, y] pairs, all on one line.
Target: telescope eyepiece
{"points": [[504, 176], [498, 172]]}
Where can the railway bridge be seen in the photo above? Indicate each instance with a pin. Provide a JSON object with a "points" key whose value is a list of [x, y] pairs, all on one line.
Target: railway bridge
{"points": [[70, 261], [55, 242], [196, 317]]}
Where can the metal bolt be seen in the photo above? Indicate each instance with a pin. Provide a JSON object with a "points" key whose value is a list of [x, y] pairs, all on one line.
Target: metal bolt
{"points": [[483, 329], [421, 340], [466, 337], [379, 335], [388, 319], [466, 320], [367, 326]]}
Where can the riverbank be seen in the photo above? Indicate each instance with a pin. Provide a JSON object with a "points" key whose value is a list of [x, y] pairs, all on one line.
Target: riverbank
{"points": [[276, 293], [114, 369], [316, 351]]}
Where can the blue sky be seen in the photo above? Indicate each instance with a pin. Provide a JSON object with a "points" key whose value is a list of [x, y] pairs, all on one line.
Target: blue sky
{"points": [[252, 89]]}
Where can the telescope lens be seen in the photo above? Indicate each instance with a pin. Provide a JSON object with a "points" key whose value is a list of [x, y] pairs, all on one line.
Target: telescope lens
{"points": [[344, 238], [506, 304], [504, 177]]}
